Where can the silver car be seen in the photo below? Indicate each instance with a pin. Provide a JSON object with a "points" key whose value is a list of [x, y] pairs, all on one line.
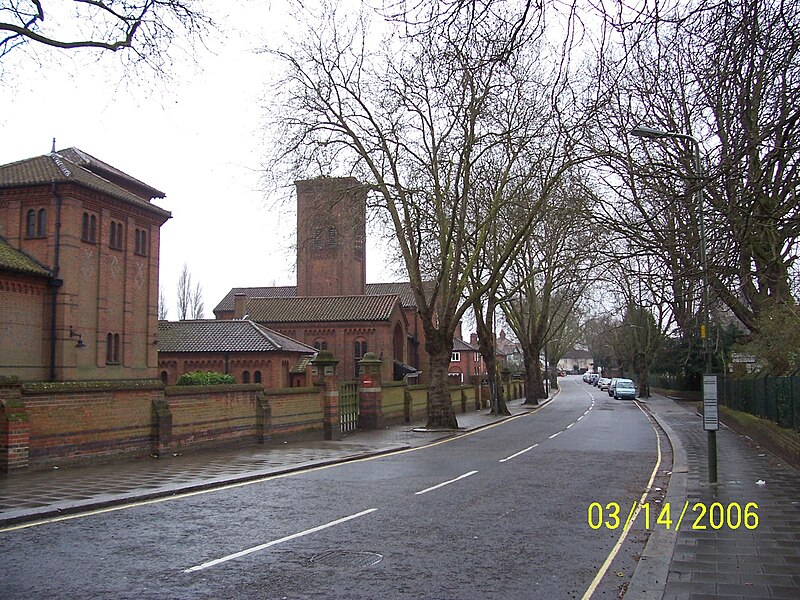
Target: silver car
{"points": [[625, 389]]}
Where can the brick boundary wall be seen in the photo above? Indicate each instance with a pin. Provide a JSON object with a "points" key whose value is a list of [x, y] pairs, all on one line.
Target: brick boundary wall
{"points": [[43, 424]]}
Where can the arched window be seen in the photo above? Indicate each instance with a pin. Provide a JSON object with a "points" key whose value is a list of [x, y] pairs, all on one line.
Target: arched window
{"points": [[333, 237], [320, 344], [115, 239], [112, 349], [140, 245], [41, 223], [164, 377], [245, 376], [359, 350], [89, 228], [256, 376], [30, 223]]}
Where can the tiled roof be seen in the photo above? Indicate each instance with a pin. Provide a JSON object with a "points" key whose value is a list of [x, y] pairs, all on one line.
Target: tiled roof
{"points": [[15, 260], [58, 168], [97, 166], [211, 335], [401, 290], [227, 303], [323, 308], [462, 346]]}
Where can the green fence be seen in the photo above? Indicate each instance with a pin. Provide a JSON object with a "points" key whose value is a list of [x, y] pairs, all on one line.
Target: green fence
{"points": [[773, 398]]}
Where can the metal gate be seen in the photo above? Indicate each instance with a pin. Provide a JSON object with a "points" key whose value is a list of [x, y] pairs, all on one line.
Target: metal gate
{"points": [[348, 406]]}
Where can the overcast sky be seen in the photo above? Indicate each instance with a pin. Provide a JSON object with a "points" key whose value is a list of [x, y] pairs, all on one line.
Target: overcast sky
{"points": [[198, 138]]}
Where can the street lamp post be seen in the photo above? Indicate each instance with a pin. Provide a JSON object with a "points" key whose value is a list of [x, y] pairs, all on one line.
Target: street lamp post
{"points": [[643, 131]]}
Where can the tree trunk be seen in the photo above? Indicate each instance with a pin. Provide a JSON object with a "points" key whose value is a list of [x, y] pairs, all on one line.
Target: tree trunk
{"points": [[440, 406], [644, 382], [533, 380]]}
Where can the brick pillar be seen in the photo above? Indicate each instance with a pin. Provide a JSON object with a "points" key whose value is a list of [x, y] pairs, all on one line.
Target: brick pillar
{"points": [[476, 385], [505, 376], [162, 426], [15, 428], [323, 370], [370, 393], [263, 419]]}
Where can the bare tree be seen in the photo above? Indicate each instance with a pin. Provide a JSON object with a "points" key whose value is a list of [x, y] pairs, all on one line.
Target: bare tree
{"points": [[420, 120], [548, 278], [196, 304], [727, 73], [184, 293], [163, 311], [143, 29]]}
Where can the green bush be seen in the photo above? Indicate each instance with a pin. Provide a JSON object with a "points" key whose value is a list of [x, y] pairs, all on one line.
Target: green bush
{"points": [[205, 378]]}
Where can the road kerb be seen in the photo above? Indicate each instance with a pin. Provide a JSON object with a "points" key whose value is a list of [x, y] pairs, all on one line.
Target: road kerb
{"points": [[650, 576]]}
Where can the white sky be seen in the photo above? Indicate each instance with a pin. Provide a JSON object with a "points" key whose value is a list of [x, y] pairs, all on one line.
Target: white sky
{"points": [[198, 138]]}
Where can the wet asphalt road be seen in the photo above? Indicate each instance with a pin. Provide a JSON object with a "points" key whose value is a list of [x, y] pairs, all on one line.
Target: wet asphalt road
{"points": [[508, 520]]}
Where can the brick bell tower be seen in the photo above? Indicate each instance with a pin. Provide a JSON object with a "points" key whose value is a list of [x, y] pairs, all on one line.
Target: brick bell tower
{"points": [[331, 229]]}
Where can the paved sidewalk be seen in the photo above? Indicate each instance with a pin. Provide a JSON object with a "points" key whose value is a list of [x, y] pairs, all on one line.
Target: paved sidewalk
{"points": [[731, 562], [63, 490]]}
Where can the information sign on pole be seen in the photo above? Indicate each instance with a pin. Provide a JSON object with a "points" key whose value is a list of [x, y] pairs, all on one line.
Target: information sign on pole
{"points": [[710, 406]]}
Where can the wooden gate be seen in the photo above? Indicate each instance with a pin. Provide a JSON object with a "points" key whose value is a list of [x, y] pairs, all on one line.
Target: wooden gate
{"points": [[348, 406]]}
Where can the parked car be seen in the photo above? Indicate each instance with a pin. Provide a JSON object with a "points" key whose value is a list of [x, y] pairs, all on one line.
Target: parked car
{"points": [[611, 385], [625, 390], [603, 382], [593, 377]]}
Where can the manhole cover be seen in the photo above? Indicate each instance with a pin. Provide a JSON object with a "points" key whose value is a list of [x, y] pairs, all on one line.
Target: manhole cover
{"points": [[346, 559]]}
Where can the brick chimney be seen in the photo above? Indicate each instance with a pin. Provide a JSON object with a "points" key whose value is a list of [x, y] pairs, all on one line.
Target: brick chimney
{"points": [[473, 339], [239, 302], [457, 333]]}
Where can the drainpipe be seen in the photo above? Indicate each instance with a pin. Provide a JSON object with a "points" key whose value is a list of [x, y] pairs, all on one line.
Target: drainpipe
{"points": [[54, 284]]}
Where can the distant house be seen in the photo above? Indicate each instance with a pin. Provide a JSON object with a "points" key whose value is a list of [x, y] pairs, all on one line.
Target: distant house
{"points": [[465, 362], [576, 361], [79, 242], [248, 351]]}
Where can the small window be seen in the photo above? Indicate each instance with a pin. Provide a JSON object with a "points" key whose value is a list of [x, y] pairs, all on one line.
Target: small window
{"points": [[455, 357], [140, 245], [89, 228], [333, 238], [320, 344], [112, 349], [115, 235], [164, 377], [30, 223], [256, 376], [359, 350], [245, 376], [476, 356], [41, 223], [316, 238]]}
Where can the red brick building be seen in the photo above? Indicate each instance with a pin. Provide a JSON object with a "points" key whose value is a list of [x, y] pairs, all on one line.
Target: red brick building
{"points": [[79, 245], [465, 362], [248, 351], [332, 307]]}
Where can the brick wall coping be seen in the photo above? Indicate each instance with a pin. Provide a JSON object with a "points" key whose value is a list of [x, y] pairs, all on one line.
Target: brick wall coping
{"points": [[291, 390], [188, 390], [49, 387]]}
